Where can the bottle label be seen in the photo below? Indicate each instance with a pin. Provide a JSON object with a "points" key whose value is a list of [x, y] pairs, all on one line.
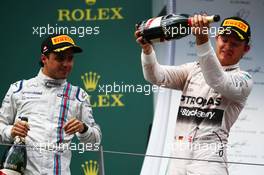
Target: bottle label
{"points": [[153, 22], [8, 172]]}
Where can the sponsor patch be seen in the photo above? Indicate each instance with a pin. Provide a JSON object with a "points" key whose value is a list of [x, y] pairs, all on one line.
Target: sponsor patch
{"points": [[236, 23], [61, 39], [198, 116]]}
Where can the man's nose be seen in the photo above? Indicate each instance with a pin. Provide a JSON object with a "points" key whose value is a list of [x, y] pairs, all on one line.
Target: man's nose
{"points": [[66, 62], [229, 46]]}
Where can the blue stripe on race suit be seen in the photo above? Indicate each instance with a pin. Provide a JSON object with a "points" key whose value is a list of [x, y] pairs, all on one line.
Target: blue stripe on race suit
{"points": [[20, 86], [77, 94], [64, 112], [64, 107], [61, 110], [57, 163], [67, 106]]}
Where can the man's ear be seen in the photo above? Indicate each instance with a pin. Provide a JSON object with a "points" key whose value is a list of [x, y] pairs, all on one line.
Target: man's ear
{"points": [[43, 58], [247, 48]]}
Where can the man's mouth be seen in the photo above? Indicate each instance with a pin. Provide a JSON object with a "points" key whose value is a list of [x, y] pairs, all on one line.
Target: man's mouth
{"points": [[64, 71], [226, 53]]}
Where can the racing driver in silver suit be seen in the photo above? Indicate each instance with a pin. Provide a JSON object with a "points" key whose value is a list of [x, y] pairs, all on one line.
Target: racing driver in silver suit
{"points": [[56, 111], [214, 91]]}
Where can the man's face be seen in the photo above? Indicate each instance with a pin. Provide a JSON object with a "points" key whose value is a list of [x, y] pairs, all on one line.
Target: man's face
{"points": [[58, 65], [229, 49]]}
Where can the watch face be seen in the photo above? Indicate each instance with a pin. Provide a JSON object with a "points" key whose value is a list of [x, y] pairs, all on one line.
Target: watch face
{"points": [[85, 128]]}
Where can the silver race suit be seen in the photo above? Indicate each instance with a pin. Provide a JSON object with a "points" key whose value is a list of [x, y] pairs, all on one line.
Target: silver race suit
{"points": [[48, 104], [212, 98]]}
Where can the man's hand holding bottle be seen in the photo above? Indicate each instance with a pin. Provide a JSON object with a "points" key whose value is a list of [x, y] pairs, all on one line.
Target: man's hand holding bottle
{"points": [[20, 128], [146, 47], [200, 26]]}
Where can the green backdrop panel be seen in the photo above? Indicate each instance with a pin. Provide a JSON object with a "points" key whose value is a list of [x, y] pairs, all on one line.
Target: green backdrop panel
{"points": [[105, 31]]}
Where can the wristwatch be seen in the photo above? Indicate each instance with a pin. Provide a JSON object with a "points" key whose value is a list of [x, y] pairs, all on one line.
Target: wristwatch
{"points": [[85, 128]]}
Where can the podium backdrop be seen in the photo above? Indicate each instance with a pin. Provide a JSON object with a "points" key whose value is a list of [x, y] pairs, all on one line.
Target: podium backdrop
{"points": [[105, 31]]}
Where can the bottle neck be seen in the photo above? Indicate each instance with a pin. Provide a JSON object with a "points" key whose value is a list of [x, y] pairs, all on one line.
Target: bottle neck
{"points": [[19, 140]]}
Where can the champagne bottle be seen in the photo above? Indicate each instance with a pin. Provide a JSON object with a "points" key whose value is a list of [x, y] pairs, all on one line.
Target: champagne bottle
{"points": [[16, 159], [172, 26]]}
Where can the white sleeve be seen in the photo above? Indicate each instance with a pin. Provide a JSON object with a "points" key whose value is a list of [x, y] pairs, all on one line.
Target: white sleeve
{"points": [[7, 116], [167, 76], [235, 87], [93, 134]]}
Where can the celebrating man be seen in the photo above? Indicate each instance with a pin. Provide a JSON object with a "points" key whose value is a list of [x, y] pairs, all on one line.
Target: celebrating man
{"points": [[214, 91]]}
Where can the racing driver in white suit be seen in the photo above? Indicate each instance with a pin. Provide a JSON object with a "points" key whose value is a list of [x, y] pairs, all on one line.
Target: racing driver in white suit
{"points": [[56, 110], [214, 91]]}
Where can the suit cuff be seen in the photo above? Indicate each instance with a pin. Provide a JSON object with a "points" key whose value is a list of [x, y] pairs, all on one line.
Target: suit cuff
{"points": [[204, 49], [7, 133], [148, 59], [84, 134], [85, 128]]}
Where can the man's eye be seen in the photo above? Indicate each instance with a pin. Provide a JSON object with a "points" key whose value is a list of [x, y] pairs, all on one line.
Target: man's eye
{"points": [[235, 44], [64, 58], [59, 59]]}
